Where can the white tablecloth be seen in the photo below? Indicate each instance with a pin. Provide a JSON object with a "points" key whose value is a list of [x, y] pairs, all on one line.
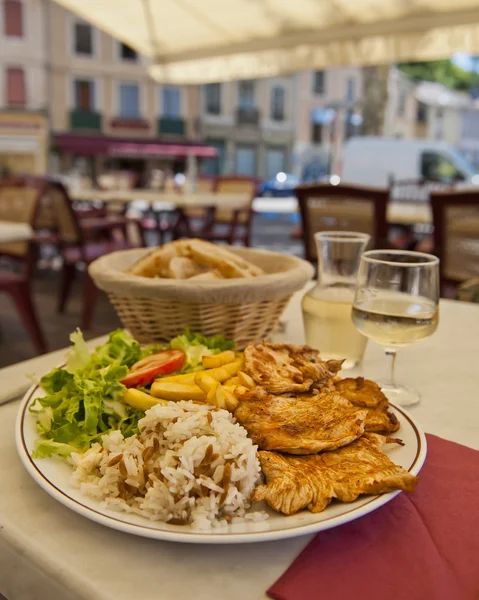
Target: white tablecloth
{"points": [[186, 200], [50, 553], [14, 232], [399, 213]]}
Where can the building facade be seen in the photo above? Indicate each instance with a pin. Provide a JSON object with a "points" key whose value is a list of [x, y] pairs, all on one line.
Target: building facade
{"points": [[23, 88], [106, 112], [250, 123], [72, 92], [328, 113], [403, 118]]}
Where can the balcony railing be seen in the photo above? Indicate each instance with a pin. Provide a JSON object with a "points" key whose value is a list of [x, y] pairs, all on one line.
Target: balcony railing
{"points": [[171, 125], [85, 119], [247, 116]]}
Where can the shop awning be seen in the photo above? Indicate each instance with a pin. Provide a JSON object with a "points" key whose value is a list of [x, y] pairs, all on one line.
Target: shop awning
{"points": [[200, 41], [127, 148]]}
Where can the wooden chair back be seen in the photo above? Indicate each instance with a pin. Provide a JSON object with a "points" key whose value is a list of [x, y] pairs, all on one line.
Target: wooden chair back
{"points": [[20, 203], [456, 234], [235, 184], [205, 185], [325, 207]]}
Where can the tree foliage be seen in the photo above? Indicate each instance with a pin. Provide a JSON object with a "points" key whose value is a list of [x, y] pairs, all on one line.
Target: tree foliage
{"points": [[442, 71]]}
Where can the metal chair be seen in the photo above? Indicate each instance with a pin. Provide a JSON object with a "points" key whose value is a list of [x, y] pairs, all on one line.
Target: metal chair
{"points": [[325, 207], [78, 245]]}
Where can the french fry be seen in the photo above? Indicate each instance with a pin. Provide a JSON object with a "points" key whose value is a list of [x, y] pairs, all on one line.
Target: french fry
{"points": [[224, 373], [240, 390], [218, 360], [186, 379], [232, 382], [177, 391], [246, 380], [204, 381], [231, 400], [141, 400], [211, 395], [220, 396]]}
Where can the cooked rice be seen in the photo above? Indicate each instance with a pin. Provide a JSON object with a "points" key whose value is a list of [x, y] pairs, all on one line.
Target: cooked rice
{"points": [[191, 464]]}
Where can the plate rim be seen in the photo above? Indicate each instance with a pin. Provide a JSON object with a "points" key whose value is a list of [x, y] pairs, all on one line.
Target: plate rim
{"points": [[109, 520]]}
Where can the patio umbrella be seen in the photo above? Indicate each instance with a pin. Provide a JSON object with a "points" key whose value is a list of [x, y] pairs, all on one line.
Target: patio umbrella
{"points": [[200, 41]]}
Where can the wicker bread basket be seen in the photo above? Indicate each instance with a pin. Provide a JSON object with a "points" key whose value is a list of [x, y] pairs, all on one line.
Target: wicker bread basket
{"points": [[243, 310]]}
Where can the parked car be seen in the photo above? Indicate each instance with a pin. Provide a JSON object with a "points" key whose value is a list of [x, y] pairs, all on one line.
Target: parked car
{"points": [[282, 185]]}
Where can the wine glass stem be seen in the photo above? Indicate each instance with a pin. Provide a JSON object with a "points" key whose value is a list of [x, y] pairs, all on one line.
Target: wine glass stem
{"points": [[391, 371]]}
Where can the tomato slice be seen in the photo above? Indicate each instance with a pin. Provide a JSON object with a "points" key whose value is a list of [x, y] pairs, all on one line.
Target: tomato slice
{"points": [[144, 371]]}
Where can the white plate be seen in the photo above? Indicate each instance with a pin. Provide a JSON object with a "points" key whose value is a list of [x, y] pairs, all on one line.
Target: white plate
{"points": [[53, 475]]}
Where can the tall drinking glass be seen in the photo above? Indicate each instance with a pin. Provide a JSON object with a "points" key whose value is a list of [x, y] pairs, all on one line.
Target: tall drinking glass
{"points": [[397, 304], [327, 307]]}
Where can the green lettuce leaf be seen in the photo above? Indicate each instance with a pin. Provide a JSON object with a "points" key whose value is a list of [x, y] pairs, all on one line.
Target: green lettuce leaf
{"points": [[48, 447], [196, 346], [85, 400], [78, 356]]}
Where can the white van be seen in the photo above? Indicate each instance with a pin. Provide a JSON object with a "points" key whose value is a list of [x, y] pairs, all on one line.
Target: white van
{"points": [[375, 161]]}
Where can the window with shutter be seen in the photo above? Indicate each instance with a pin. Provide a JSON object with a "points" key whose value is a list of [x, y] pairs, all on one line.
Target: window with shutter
{"points": [[84, 94], [171, 102], [127, 53], [83, 39], [246, 94], [277, 104], [13, 18], [129, 101], [319, 82], [213, 98], [16, 92]]}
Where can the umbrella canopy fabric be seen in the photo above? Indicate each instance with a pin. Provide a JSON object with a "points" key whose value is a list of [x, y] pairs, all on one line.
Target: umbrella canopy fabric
{"points": [[201, 41]]}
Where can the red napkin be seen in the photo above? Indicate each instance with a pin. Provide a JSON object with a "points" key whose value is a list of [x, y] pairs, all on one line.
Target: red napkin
{"points": [[420, 546]]}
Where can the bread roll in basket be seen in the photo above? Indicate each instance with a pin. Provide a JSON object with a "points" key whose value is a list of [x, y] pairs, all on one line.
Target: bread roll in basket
{"points": [[242, 309]]}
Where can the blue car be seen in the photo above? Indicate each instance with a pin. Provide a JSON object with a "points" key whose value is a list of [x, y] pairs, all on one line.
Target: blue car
{"points": [[281, 186]]}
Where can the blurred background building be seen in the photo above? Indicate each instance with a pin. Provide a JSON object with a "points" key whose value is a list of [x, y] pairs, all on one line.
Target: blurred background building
{"points": [[251, 124], [75, 100], [23, 87]]}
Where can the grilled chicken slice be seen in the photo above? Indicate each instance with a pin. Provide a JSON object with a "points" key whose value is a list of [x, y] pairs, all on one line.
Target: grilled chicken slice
{"points": [[300, 424], [283, 368], [297, 482], [367, 394]]}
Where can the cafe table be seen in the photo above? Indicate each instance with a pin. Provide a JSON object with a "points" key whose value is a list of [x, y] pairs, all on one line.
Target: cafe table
{"points": [[48, 552], [14, 232], [186, 200], [398, 213]]}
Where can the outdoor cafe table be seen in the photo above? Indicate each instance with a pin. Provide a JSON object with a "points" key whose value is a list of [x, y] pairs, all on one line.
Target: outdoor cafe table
{"points": [[49, 552], [14, 232], [399, 213], [187, 200]]}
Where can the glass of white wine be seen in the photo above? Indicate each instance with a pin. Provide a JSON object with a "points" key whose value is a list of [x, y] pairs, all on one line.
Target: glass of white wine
{"points": [[396, 304]]}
